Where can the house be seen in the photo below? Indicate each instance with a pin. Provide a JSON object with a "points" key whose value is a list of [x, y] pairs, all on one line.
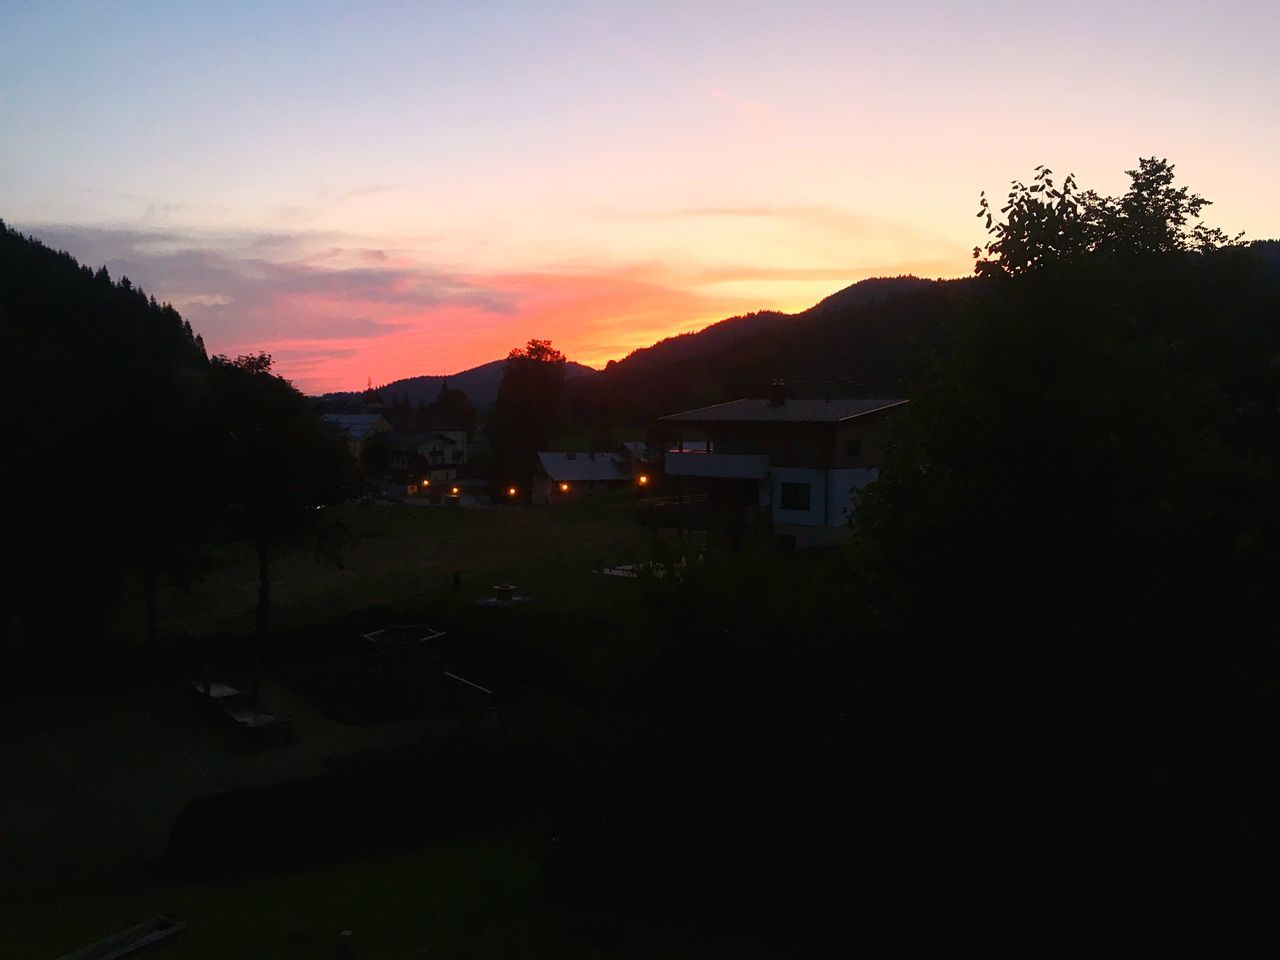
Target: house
{"points": [[562, 477], [358, 429], [791, 462], [637, 453], [643, 462], [433, 455]]}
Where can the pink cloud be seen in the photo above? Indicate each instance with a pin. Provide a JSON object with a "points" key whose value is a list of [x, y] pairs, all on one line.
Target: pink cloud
{"points": [[341, 313]]}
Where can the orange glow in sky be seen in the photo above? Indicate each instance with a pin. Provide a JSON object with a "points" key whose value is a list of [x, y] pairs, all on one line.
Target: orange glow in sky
{"points": [[371, 192]]}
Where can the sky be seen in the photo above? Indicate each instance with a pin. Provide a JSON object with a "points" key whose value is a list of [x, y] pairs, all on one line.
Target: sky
{"points": [[370, 191]]}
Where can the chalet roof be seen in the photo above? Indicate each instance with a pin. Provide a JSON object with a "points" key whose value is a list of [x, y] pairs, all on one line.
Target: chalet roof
{"points": [[568, 467], [355, 425], [799, 410], [413, 439]]}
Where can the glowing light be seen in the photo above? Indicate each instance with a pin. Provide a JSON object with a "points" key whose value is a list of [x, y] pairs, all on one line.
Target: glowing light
{"points": [[564, 488], [643, 479], [454, 491], [511, 491], [426, 483]]}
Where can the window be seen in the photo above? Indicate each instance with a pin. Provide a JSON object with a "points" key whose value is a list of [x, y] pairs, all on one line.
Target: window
{"points": [[853, 448], [793, 496]]}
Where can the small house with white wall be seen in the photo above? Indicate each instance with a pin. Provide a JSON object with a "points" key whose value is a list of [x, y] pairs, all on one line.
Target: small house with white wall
{"points": [[435, 455], [562, 477], [793, 463]]}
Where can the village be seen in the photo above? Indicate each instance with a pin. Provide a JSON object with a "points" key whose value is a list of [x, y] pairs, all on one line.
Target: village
{"points": [[653, 481], [792, 463], [458, 616]]}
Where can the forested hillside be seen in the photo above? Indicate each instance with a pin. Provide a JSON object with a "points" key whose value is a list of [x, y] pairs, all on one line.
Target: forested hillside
{"points": [[480, 384], [106, 387], [872, 336], [124, 444]]}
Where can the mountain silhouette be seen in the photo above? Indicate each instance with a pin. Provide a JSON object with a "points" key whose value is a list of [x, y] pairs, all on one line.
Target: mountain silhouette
{"points": [[868, 338], [672, 367], [480, 384]]}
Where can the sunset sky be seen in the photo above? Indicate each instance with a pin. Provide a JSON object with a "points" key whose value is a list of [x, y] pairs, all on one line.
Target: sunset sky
{"points": [[372, 190]]}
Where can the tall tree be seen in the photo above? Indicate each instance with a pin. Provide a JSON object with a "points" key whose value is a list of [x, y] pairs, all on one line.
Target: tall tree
{"points": [[1069, 552], [101, 471], [527, 411], [169, 515], [454, 406], [281, 465], [1045, 224]]}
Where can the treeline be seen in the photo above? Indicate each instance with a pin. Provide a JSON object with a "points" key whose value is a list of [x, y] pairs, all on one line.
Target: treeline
{"points": [[127, 448], [1036, 698], [451, 409], [870, 339], [1063, 579]]}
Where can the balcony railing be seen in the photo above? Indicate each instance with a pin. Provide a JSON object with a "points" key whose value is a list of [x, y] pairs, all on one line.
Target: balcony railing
{"points": [[743, 466]]}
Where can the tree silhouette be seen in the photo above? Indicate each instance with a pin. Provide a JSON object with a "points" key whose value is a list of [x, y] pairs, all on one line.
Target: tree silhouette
{"points": [[1065, 560], [527, 411], [102, 471], [453, 406], [1042, 223], [280, 464]]}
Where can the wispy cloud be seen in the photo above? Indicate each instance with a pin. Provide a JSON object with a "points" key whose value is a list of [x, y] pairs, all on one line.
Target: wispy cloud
{"points": [[732, 212], [334, 310], [238, 283], [368, 191], [806, 214], [322, 200]]}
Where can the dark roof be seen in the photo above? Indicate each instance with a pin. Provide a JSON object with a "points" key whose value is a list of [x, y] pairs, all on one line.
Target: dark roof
{"points": [[355, 425], [437, 422], [413, 439], [567, 467], [799, 410]]}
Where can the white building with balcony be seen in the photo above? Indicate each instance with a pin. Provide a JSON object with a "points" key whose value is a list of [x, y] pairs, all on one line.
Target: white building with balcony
{"points": [[794, 463]]}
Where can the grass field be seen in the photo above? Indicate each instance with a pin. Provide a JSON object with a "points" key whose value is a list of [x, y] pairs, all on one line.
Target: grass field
{"points": [[474, 897], [400, 558], [95, 778]]}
